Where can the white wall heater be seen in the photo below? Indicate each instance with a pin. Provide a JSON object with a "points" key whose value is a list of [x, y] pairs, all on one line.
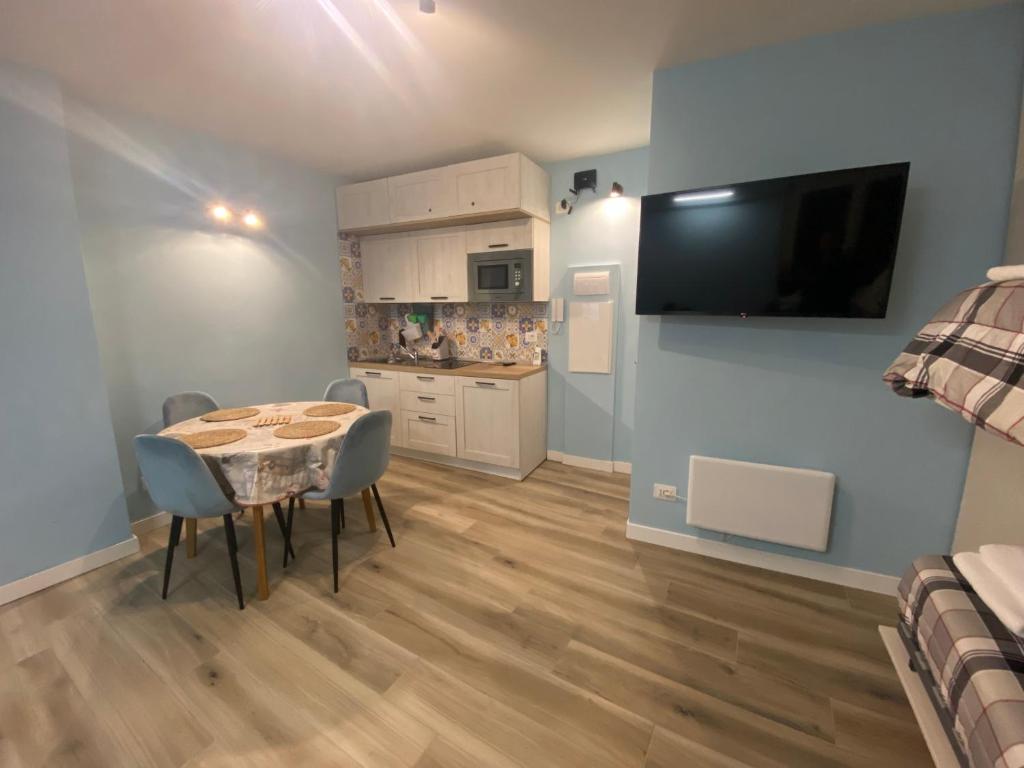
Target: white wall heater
{"points": [[783, 505]]}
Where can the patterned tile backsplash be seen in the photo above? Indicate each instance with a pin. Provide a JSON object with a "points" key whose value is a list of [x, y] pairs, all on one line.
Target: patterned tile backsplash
{"points": [[480, 331]]}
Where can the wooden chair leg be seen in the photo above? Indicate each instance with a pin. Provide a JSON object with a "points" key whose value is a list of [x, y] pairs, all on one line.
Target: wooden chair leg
{"points": [[229, 533], [279, 514], [337, 512], [371, 519], [172, 542], [383, 514], [191, 537]]}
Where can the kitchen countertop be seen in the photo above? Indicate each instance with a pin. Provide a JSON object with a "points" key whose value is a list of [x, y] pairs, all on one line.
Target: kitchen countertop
{"points": [[481, 370]]}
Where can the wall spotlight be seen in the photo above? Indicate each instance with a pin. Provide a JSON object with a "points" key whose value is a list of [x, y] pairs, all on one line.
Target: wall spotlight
{"points": [[220, 212], [252, 220], [616, 190]]}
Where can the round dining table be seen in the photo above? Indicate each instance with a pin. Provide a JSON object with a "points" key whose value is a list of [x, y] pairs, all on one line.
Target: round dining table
{"points": [[262, 468]]}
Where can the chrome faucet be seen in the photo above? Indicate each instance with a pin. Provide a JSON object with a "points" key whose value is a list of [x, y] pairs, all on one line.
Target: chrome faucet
{"points": [[399, 350]]}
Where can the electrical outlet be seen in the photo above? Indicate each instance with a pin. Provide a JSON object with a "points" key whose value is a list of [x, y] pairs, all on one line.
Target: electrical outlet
{"points": [[665, 492]]}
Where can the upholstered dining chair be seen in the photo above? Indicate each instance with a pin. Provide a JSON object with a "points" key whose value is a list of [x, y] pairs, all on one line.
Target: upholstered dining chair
{"points": [[347, 391], [179, 482], [361, 460], [187, 405]]}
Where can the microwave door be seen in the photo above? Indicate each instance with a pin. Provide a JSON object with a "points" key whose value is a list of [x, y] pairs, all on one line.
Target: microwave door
{"points": [[492, 278]]}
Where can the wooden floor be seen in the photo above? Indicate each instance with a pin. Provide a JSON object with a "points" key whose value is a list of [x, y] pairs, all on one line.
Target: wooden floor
{"points": [[514, 625]]}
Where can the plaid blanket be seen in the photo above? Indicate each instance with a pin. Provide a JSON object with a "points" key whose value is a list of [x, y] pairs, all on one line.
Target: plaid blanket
{"points": [[970, 358], [977, 663]]}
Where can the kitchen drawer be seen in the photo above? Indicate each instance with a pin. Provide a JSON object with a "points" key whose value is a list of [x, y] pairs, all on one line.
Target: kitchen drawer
{"points": [[431, 383], [371, 373], [428, 403], [432, 433], [483, 383]]}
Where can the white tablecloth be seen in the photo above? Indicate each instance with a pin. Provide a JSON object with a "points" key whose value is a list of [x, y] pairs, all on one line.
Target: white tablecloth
{"points": [[261, 468]]}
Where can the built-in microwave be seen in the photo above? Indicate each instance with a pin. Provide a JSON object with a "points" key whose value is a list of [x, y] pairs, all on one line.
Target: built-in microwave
{"points": [[504, 276]]}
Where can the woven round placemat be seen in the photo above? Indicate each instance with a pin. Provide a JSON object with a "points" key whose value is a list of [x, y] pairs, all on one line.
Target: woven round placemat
{"points": [[306, 429], [329, 409], [229, 414], [212, 437]]}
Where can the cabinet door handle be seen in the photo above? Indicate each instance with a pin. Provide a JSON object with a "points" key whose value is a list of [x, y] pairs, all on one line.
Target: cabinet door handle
{"points": [[430, 210], [485, 383], [426, 399], [387, 298], [498, 245], [438, 298], [425, 378], [427, 418], [371, 373]]}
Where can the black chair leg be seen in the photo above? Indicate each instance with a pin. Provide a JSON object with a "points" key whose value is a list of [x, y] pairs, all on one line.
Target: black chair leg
{"points": [[288, 530], [279, 514], [229, 533], [383, 514], [172, 542], [342, 507], [337, 512]]}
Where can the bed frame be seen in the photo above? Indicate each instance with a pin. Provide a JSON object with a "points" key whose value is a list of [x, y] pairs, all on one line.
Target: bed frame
{"points": [[917, 681]]}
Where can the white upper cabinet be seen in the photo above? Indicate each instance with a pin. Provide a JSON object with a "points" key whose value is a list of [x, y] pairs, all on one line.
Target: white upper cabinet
{"points": [[363, 205], [389, 269], [422, 196], [503, 187], [486, 186], [441, 266], [513, 235]]}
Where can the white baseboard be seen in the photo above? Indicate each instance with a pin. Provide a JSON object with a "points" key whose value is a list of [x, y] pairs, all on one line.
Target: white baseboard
{"points": [[147, 524], [601, 465], [795, 566], [58, 573]]}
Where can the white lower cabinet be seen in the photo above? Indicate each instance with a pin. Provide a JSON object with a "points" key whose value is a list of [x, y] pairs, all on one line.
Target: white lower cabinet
{"points": [[491, 425], [487, 414], [383, 394], [432, 433]]}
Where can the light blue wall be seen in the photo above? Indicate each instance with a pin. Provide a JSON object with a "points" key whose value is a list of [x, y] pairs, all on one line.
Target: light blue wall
{"points": [[183, 304], [62, 493], [590, 414], [943, 93]]}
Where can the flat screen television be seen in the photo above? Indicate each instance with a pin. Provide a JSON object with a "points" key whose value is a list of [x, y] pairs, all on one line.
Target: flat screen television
{"points": [[815, 245]]}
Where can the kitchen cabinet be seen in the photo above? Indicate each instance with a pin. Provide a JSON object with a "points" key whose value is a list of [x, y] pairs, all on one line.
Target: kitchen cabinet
{"points": [[487, 413], [422, 195], [441, 269], [389, 269], [430, 433], [363, 205], [487, 185], [382, 391], [505, 187]]}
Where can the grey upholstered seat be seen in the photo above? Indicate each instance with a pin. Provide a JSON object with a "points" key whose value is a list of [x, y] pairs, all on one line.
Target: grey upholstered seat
{"points": [[187, 405], [361, 460], [347, 391]]}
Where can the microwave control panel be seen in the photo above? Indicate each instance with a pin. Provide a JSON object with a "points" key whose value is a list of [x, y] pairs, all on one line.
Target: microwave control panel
{"points": [[517, 275]]}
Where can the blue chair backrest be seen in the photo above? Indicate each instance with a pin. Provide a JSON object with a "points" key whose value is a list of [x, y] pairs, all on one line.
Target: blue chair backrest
{"points": [[187, 405], [363, 456], [347, 391], [178, 479]]}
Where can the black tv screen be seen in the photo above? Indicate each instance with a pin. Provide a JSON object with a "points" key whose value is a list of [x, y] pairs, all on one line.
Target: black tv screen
{"points": [[816, 245]]}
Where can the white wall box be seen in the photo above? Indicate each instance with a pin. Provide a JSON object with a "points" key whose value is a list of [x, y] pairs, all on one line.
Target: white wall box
{"points": [[504, 187]]}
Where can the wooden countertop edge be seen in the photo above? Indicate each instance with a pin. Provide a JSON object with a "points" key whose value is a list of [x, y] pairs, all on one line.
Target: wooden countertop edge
{"points": [[483, 370]]}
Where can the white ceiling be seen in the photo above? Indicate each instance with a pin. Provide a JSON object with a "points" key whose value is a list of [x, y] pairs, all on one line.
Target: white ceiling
{"points": [[364, 88]]}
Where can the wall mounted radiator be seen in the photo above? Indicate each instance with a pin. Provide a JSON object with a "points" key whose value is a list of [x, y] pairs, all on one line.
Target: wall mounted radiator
{"points": [[783, 505]]}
